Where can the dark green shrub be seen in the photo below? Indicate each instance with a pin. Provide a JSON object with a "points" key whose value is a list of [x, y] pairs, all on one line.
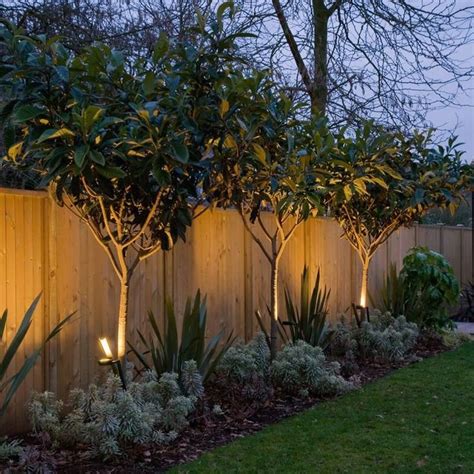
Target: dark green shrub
{"points": [[430, 288], [164, 352]]}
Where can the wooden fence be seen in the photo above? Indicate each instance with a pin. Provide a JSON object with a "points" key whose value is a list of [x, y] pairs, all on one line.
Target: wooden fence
{"points": [[44, 248]]}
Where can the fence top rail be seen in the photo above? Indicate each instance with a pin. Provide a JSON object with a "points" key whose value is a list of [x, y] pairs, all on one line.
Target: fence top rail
{"points": [[24, 192], [44, 194]]}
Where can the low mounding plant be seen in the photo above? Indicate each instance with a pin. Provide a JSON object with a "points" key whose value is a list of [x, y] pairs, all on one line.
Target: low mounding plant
{"points": [[108, 418], [300, 368], [10, 385], [384, 338], [430, 288], [10, 449], [164, 352], [246, 368]]}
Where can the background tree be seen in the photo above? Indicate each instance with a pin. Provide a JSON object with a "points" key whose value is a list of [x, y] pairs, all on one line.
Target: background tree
{"points": [[390, 61], [119, 143], [384, 180], [260, 169]]}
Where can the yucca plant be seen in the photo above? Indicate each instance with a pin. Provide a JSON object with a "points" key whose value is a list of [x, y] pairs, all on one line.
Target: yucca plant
{"points": [[164, 352], [308, 321], [10, 385], [392, 294]]}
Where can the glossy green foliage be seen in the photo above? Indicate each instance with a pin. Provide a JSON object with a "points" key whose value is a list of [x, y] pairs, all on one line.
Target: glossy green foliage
{"points": [[101, 126], [259, 161], [384, 179], [308, 321], [430, 288], [9, 385], [165, 351]]}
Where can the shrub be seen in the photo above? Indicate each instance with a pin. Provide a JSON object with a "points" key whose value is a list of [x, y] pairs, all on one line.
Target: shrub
{"points": [[384, 338], [10, 449], [303, 369], [246, 368], [430, 288], [387, 338], [168, 353], [108, 418]]}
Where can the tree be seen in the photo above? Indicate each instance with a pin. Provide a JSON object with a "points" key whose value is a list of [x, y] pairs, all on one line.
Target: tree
{"points": [[118, 143], [384, 180], [259, 168], [353, 59], [133, 27]]}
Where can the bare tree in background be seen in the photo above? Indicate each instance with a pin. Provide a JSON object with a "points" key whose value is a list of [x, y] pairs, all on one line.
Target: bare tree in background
{"points": [[388, 60], [348, 59], [131, 26]]}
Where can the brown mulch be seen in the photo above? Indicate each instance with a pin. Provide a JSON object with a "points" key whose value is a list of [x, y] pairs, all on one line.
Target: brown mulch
{"points": [[208, 431]]}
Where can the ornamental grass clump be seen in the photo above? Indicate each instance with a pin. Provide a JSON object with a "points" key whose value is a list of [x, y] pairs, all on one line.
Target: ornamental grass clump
{"points": [[107, 418], [302, 369]]}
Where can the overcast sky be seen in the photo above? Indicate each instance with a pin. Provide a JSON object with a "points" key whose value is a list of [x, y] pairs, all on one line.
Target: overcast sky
{"points": [[462, 115]]}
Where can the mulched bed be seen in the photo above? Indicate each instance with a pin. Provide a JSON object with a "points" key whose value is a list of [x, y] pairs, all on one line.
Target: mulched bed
{"points": [[208, 430]]}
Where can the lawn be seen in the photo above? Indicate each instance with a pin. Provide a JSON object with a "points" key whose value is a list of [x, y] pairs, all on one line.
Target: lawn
{"points": [[418, 419]]}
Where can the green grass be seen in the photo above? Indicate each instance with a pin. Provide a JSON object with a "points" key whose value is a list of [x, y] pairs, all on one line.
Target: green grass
{"points": [[419, 419]]}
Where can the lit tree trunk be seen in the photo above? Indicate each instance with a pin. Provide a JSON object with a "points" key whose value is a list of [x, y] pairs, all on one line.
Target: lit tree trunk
{"points": [[123, 316], [365, 282], [274, 306]]}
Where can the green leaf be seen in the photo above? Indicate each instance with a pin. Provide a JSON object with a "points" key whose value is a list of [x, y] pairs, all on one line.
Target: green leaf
{"points": [[180, 152], [62, 72], [149, 83], [161, 46], [220, 13], [97, 157], [90, 115], [27, 112], [110, 171], [80, 155], [54, 133]]}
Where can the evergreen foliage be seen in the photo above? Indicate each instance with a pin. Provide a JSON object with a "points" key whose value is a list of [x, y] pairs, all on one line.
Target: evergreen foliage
{"points": [[108, 418], [300, 368]]}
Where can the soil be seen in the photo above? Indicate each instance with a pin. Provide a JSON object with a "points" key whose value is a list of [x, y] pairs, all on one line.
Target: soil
{"points": [[207, 430]]}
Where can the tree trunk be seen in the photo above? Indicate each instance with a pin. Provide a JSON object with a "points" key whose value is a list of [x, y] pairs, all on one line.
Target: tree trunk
{"points": [[365, 282], [274, 308], [319, 92], [123, 316]]}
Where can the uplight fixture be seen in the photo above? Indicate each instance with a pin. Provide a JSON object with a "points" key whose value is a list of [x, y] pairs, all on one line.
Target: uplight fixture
{"points": [[109, 360]]}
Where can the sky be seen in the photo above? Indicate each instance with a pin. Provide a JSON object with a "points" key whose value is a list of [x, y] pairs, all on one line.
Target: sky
{"points": [[460, 118]]}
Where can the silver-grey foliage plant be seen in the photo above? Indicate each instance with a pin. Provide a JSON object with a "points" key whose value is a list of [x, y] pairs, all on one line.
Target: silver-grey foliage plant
{"points": [[107, 418], [302, 369]]}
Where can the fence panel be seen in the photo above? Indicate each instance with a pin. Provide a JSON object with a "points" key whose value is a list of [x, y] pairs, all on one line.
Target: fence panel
{"points": [[45, 248]]}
